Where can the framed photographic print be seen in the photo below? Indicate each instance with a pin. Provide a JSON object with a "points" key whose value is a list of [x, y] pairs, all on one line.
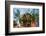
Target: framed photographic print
{"points": [[24, 17]]}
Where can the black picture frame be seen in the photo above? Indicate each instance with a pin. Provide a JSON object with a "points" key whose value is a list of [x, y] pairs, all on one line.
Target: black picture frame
{"points": [[7, 3]]}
